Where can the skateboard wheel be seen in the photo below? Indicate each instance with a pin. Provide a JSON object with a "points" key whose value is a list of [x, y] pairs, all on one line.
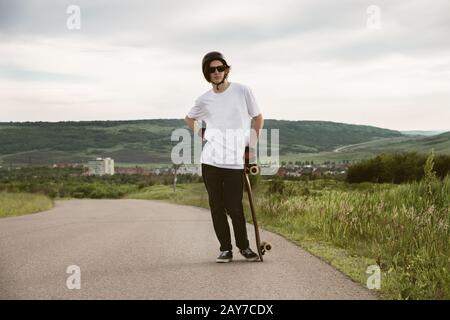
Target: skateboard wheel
{"points": [[254, 170], [266, 246]]}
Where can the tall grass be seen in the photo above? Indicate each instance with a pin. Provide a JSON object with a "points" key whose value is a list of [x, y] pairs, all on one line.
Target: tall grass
{"points": [[404, 228], [16, 204]]}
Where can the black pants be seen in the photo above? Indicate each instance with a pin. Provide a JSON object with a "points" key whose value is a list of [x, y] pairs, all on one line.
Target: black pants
{"points": [[225, 191]]}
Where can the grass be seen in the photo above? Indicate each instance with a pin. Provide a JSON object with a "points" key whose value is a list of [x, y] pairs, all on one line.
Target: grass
{"points": [[17, 204], [403, 229]]}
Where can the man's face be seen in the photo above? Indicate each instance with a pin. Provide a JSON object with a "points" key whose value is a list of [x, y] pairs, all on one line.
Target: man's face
{"points": [[216, 76]]}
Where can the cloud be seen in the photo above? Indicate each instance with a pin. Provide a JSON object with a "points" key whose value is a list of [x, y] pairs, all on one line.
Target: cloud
{"points": [[304, 59], [16, 73]]}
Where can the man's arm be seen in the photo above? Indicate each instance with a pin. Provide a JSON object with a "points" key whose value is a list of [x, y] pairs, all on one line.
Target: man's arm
{"points": [[190, 122], [257, 124], [193, 124]]}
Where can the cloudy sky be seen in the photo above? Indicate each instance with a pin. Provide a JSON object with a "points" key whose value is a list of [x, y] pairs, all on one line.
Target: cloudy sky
{"points": [[344, 61]]}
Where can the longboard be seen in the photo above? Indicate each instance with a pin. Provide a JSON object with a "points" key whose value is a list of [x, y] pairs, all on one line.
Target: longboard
{"points": [[253, 169]]}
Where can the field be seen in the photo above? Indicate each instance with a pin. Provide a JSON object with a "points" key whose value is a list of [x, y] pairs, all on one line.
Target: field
{"points": [[16, 204]]}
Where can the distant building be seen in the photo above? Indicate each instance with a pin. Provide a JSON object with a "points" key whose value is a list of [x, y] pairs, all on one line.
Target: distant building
{"points": [[316, 172], [101, 166], [65, 165], [190, 169], [281, 172], [136, 170], [109, 166]]}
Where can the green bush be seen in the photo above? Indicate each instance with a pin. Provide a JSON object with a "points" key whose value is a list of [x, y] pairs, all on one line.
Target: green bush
{"points": [[396, 168]]}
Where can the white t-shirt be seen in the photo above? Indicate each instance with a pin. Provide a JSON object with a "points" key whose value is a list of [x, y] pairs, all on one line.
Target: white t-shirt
{"points": [[228, 122]]}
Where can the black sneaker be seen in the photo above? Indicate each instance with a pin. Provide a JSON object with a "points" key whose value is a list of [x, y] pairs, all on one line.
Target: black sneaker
{"points": [[225, 256], [249, 254]]}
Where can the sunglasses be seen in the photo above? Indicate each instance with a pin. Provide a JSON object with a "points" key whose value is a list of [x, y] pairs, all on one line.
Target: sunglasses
{"points": [[219, 68]]}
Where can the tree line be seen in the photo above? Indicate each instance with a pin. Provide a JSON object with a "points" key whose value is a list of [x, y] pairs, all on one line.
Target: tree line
{"points": [[397, 168]]}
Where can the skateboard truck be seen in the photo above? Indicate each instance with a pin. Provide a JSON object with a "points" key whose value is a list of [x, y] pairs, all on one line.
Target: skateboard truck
{"points": [[253, 169]]}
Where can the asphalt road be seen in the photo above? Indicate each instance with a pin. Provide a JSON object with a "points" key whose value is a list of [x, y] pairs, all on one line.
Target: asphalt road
{"points": [[139, 249]]}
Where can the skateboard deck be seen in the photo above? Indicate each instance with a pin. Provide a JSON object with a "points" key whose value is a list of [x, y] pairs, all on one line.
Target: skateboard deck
{"points": [[253, 169]]}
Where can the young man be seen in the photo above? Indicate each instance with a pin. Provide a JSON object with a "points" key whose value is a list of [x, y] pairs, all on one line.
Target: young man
{"points": [[227, 109]]}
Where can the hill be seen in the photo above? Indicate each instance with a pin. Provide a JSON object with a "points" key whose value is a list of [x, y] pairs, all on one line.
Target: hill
{"points": [[440, 143], [148, 141]]}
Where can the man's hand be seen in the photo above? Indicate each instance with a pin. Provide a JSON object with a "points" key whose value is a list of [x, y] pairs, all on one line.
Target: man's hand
{"points": [[201, 133], [193, 124], [249, 154], [190, 122]]}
